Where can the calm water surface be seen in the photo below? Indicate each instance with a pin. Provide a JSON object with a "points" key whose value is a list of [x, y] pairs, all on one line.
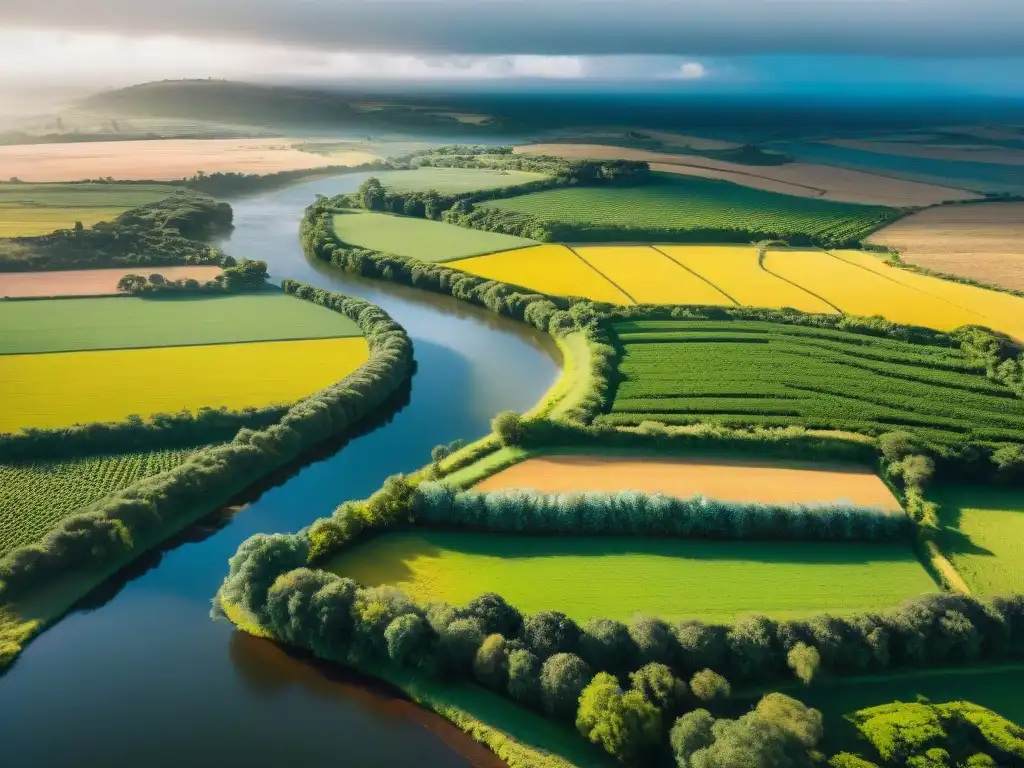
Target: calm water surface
{"points": [[144, 677]]}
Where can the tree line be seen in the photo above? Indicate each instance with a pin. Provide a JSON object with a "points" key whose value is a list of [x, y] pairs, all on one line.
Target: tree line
{"points": [[132, 518], [246, 275]]}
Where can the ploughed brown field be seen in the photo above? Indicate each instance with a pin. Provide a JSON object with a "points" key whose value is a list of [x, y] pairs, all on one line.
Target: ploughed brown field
{"points": [[88, 282], [724, 479], [982, 241], [162, 160], [972, 153], [800, 179]]}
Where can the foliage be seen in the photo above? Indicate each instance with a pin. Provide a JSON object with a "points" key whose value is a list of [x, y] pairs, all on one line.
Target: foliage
{"points": [[804, 661], [562, 680], [625, 724], [709, 687], [245, 276]]}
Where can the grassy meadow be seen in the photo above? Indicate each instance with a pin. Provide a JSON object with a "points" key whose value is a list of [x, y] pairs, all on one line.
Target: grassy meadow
{"points": [[37, 209], [36, 495], [64, 325], [983, 535], [598, 576], [751, 373], [672, 202], [454, 180], [65, 388], [422, 239]]}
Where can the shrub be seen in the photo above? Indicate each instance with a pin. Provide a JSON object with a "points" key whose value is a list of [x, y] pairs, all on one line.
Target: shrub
{"points": [[507, 425], [562, 679]]}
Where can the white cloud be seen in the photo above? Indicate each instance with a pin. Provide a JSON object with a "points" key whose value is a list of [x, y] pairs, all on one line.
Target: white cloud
{"points": [[692, 70]]}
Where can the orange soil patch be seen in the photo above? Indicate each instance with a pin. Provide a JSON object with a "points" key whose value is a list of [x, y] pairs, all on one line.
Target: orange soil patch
{"points": [[972, 153], [162, 160], [88, 282], [728, 480], [983, 241], [801, 179]]}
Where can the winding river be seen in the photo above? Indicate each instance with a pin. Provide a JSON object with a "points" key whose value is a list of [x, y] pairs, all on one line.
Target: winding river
{"points": [[140, 676]]}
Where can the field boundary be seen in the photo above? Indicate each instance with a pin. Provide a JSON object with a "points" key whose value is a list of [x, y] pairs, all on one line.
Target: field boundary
{"points": [[695, 274], [760, 262], [603, 276], [176, 346]]}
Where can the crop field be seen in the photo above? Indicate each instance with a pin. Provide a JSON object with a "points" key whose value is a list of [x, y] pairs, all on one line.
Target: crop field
{"points": [[983, 535], [419, 238], [453, 180], [674, 203], [982, 242], [650, 277], [37, 209], [552, 269], [57, 390], [36, 495], [725, 479], [971, 153], [1001, 311], [752, 373], [63, 325], [736, 272], [85, 282], [587, 577]]}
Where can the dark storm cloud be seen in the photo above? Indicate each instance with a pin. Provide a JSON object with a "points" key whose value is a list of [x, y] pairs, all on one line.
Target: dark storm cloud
{"points": [[694, 27]]}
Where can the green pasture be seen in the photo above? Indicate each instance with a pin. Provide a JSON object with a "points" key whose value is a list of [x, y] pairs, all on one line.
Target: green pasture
{"points": [[983, 535], [422, 239], [602, 576], [454, 180], [36, 495], [671, 202], [742, 373], [62, 325]]}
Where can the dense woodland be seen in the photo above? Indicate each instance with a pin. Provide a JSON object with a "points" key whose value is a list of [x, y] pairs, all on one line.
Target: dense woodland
{"points": [[171, 232], [246, 275]]}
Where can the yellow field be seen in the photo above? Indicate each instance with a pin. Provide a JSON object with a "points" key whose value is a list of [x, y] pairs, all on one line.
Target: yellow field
{"points": [[56, 390], [859, 291], [552, 269], [735, 270], [24, 221], [1002, 311], [650, 277]]}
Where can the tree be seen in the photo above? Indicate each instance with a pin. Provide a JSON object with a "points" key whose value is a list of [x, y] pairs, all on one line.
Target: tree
{"points": [[690, 733], [411, 640], [625, 724], [495, 614], [895, 445], [915, 470], [371, 194], [491, 663], [507, 425], [562, 679], [654, 640], [606, 645], [460, 642], [1009, 463], [804, 660], [657, 684], [549, 632], [524, 676], [709, 686]]}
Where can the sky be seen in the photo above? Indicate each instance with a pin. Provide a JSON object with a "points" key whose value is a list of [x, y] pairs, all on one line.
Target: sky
{"points": [[928, 45]]}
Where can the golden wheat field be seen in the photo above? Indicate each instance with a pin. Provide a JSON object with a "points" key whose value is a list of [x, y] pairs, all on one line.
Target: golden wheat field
{"points": [[60, 389], [649, 277], [1002, 311], [736, 272], [550, 269]]}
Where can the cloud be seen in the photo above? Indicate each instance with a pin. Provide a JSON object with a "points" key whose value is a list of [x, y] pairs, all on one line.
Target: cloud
{"points": [[706, 28], [692, 70]]}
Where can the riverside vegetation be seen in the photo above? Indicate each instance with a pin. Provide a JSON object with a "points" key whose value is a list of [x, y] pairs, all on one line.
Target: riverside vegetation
{"points": [[649, 691]]}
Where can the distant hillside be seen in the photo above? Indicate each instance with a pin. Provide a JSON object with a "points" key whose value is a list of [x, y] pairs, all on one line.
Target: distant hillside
{"points": [[222, 101]]}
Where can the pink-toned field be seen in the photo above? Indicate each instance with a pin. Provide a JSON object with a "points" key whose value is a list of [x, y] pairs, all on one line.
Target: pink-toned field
{"points": [[725, 479], [88, 282], [162, 160], [800, 179]]}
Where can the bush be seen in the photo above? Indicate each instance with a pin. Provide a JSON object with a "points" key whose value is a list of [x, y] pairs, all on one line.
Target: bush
{"points": [[507, 425], [562, 679]]}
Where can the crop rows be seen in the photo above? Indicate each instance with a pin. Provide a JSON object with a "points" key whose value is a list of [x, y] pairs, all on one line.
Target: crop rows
{"points": [[680, 203], [762, 374], [36, 495]]}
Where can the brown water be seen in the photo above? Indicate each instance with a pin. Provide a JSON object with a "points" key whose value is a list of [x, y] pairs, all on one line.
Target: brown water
{"points": [[143, 677]]}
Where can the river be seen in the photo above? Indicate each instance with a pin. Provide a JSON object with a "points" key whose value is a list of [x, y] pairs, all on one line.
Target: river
{"points": [[143, 676]]}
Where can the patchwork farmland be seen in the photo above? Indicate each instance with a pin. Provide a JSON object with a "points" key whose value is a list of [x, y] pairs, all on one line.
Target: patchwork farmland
{"points": [[36, 209], [87, 282]]}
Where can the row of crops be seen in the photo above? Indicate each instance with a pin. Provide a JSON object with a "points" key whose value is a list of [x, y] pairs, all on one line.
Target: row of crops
{"points": [[741, 373], [36, 495], [674, 203]]}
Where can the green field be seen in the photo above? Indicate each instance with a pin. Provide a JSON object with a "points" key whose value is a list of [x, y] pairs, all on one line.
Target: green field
{"points": [[672, 203], [599, 576], [742, 373], [36, 495], [419, 238], [983, 535], [62, 325], [454, 180], [36, 209]]}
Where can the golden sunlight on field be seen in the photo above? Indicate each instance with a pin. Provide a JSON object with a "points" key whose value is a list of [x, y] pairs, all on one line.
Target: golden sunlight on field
{"points": [[162, 160], [88, 282]]}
